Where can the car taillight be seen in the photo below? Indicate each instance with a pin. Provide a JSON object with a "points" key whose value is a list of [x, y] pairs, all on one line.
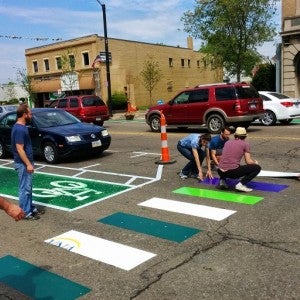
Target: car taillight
{"points": [[287, 103]]}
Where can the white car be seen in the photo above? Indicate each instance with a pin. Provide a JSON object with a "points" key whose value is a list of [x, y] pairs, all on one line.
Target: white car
{"points": [[279, 107]]}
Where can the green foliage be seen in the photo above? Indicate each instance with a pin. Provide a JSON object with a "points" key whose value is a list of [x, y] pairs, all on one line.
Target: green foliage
{"points": [[151, 74], [119, 101], [232, 29], [265, 77]]}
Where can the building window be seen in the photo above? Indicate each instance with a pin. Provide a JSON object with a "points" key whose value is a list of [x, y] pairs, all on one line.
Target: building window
{"points": [[170, 62], [46, 64], [35, 66], [72, 61], [86, 59], [189, 63], [182, 62], [58, 63]]}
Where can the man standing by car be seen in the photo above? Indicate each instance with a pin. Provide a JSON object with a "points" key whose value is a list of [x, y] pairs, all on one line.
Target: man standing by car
{"points": [[23, 159], [216, 145]]}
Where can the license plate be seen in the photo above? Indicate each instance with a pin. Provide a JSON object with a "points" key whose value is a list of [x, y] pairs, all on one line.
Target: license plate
{"points": [[96, 143], [253, 106], [98, 119]]}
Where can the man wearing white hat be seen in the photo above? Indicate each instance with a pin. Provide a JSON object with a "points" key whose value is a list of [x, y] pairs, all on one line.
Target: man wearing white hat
{"points": [[229, 165]]}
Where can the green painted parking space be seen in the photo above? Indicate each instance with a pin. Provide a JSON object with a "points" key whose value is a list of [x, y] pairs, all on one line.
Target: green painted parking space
{"points": [[216, 195], [36, 282], [164, 230], [63, 192]]}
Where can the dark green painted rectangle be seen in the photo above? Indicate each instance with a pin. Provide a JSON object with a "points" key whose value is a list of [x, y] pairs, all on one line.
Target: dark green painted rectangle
{"points": [[36, 282], [217, 195], [164, 230]]}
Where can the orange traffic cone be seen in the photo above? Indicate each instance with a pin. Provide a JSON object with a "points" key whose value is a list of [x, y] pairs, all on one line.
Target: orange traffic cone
{"points": [[165, 155]]}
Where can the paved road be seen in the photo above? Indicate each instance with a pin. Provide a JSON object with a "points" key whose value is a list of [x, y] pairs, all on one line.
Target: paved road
{"points": [[252, 254]]}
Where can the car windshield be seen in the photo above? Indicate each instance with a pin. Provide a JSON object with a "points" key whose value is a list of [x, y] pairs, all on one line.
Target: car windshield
{"points": [[52, 118]]}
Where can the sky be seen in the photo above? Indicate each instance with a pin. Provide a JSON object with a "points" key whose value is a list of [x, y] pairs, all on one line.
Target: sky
{"points": [[31, 23]]}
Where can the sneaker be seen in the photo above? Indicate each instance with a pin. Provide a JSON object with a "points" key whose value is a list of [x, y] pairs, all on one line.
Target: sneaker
{"points": [[32, 217], [38, 212], [242, 188], [182, 176], [223, 185]]}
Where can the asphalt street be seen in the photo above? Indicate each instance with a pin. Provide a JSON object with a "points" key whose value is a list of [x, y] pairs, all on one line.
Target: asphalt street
{"points": [[251, 254]]}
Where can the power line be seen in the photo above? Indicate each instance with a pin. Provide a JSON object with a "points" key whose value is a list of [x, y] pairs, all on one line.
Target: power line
{"points": [[14, 37]]}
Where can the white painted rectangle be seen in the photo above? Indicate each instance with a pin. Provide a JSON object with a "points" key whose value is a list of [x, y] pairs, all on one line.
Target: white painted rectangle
{"points": [[263, 173], [109, 252], [203, 211]]}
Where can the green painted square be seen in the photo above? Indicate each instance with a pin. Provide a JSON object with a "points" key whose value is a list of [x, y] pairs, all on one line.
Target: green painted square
{"points": [[217, 195], [164, 230], [60, 191], [36, 282]]}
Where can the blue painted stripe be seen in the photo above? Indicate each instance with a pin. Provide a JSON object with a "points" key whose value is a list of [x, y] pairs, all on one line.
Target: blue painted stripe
{"points": [[164, 230], [36, 282], [260, 186]]}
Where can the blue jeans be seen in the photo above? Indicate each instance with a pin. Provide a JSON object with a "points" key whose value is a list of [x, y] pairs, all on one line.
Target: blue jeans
{"points": [[25, 189], [190, 167]]}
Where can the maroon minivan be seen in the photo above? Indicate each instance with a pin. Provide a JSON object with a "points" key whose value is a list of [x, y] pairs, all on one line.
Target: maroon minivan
{"points": [[87, 108]]}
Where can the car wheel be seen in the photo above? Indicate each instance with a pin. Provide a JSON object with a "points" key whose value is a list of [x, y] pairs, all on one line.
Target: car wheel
{"points": [[155, 123], [269, 118], [50, 153], [2, 150], [286, 122], [215, 123]]}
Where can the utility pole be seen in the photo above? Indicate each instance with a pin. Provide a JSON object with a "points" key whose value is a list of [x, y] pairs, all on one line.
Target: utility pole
{"points": [[109, 104]]}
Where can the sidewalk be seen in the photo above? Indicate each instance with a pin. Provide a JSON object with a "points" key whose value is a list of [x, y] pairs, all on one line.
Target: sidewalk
{"points": [[139, 115]]}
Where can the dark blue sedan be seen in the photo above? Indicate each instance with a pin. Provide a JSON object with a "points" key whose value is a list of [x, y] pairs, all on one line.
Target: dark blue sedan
{"points": [[56, 134]]}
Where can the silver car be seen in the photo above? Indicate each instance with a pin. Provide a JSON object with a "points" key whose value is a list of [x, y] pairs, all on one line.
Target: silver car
{"points": [[7, 108]]}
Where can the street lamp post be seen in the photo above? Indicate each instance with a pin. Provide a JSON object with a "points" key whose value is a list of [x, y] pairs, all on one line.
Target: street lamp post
{"points": [[106, 59]]}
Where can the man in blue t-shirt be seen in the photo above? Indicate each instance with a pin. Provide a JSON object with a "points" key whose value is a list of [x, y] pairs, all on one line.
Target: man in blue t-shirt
{"points": [[217, 143], [23, 159]]}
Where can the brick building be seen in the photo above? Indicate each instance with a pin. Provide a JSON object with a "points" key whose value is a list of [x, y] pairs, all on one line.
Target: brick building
{"points": [[290, 75], [181, 68]]}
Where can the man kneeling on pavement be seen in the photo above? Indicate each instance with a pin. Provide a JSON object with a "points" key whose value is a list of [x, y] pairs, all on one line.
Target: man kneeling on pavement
{"points": [[229, 165]]}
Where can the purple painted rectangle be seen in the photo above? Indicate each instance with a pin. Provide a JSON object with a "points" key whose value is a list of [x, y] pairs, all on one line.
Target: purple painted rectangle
{"points": [[261, 186]]}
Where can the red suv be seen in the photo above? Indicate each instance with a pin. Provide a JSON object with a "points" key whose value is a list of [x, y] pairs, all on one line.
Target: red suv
{"points": [[213, 105], [87, 108]]}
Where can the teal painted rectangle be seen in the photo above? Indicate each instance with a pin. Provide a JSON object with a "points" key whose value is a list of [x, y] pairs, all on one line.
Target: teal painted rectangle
{"points": [[217, 195], [36, 282], [164, 230]]}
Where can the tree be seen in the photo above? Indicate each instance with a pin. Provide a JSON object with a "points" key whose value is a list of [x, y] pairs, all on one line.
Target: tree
{"points": [[265, 77], [26, 83], [232, 29], [69, 77], [151, 74]]}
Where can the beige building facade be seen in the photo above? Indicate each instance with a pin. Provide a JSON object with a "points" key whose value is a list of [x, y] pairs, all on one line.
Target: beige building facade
{"points": [[67, 68], [290, 63]]}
